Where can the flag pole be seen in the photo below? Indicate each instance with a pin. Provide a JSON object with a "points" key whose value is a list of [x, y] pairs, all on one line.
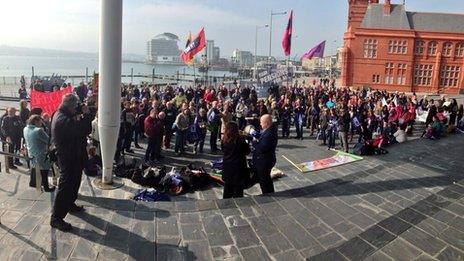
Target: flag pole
{"points": [[288, 71], [193, 71]]}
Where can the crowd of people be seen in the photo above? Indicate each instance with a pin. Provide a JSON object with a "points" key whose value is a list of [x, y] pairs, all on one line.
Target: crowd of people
{"points": [[237, 120], [320, 111]]}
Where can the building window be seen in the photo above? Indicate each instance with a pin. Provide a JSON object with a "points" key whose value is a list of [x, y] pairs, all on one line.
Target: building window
{"points": [[419, 49], [397, 47], [370, 48], [449, 76], [401, 79], [423, 74], [447, 49], [375, 78], [460, 49], [389, 73], [432, 49]]}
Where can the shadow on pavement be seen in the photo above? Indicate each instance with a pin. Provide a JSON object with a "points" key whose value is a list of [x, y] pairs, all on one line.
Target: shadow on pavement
{"points": [[139, 248]]}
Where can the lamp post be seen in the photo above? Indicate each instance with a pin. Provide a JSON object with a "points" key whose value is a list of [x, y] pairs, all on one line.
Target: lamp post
{"points": [[270, 32], [256, 49], [334, 42], [109, 83]]}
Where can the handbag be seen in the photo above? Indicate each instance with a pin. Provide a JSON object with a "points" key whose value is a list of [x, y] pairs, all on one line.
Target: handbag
{"points": [[51, 155]]}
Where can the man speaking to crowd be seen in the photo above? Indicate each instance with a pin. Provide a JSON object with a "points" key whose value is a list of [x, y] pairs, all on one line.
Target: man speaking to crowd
{"points": [[264, 157], [70, 126]]}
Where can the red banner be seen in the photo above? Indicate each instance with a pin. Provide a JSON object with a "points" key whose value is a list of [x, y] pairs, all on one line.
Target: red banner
{"points": [[287, 39], [195, 46], [48, 101]]}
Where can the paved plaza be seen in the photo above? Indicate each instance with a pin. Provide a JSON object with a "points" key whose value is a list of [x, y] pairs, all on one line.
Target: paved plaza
{"points": [[406, 205]]}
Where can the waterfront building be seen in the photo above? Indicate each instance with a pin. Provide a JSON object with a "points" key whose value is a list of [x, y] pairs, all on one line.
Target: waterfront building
{"points": [[163, 49], [387, 47], [216, 53], [242, 58]]}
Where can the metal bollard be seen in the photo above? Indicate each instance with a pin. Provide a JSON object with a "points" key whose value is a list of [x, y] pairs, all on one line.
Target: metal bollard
{"points": [[38, 179], [7, 166]]}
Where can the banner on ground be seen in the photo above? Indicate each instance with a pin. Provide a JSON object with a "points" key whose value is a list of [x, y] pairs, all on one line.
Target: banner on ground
{"points": [[339, 159], [48, 101]]}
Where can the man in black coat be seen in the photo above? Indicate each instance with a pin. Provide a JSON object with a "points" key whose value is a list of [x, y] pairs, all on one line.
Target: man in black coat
{"points": [[264, 157], [70, 127], [12, 129]]}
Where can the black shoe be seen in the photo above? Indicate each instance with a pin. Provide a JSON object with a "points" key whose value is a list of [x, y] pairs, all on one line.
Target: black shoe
{"points": [[18, 163], [130, 151], [13, 167], [48, 189], [61, 225], [75, 209], [138, 146]]}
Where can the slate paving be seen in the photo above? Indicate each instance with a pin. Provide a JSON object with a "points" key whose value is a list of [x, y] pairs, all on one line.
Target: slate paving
{"points": [[406, 205]]}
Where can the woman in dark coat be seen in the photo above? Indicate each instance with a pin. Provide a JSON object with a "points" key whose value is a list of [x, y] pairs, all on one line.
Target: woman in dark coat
{"points": [[235, 169]]}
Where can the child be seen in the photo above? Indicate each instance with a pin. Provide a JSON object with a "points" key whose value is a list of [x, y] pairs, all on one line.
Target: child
{"points": [[94, 164]]}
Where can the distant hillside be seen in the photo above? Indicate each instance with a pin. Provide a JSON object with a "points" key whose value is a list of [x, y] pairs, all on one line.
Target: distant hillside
{"points": [[26, 51]]}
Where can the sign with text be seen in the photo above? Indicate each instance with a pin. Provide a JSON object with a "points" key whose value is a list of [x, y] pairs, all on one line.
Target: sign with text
{"points": [[48, 101], [278, 76], [339, 159]]}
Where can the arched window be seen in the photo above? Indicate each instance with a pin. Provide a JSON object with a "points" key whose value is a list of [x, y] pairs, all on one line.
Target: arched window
{"points": [[447, 49], [432, 49], [419, 48], [460, 49]]}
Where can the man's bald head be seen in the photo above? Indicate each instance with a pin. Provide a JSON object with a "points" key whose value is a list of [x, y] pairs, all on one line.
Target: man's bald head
{"points": [[265, 121]]}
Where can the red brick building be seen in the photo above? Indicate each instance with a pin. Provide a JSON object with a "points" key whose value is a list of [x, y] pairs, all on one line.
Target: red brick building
{"points": [[387, 47]]}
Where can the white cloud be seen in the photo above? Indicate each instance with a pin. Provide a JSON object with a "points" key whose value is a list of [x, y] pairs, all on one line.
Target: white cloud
{"points": [[176, 12], [74, 25]]}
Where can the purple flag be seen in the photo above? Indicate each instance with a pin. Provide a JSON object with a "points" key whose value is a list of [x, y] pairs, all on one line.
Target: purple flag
{"points": [[316, 51]]}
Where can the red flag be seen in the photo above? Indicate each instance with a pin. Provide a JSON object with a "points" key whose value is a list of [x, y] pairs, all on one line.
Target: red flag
{"points": [[287, 39], [48, 101], [195, 46]]}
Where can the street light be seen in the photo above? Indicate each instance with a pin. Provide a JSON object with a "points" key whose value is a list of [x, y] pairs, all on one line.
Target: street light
{"points": [[256, 47], [270, 32]]}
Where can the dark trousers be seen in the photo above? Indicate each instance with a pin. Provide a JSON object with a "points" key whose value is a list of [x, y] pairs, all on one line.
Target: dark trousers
{"points": [[150, 152], [232, 191], [43, 173], [331, 135], [264, 179], [241, 123], [14, 147], [213, 138], [285, 128], [119, 149], [200, 142], [128, 138], [299, 129], [68, 187], [180, 141], [167, 138], [136, 136]]}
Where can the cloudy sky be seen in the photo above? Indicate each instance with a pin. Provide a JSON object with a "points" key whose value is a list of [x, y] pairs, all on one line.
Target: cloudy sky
{"points": [[73, 24]]}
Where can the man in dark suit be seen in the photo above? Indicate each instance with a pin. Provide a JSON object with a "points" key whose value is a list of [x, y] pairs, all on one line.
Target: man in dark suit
{"points": [[264, 157], [70, 126]]}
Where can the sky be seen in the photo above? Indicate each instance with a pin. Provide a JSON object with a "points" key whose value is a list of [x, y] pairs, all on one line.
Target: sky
{"points": [[74, 24]]}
